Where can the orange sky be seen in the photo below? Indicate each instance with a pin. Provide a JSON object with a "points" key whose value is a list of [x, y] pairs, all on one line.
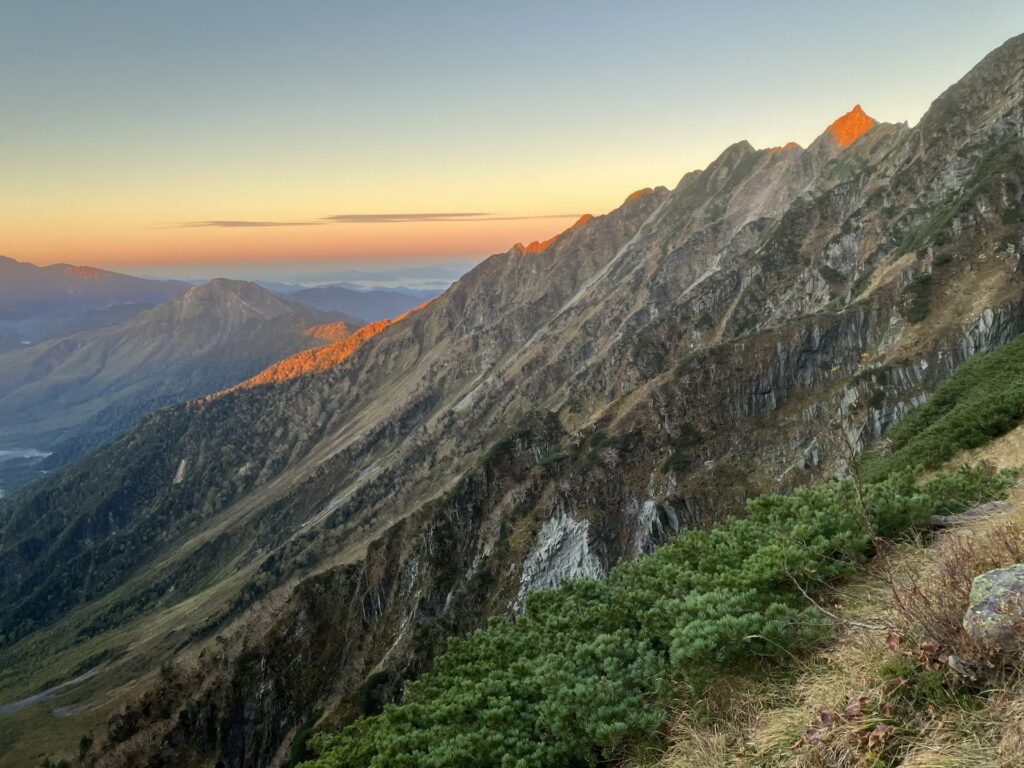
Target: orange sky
{"points": [[122, 247], [125, 121]]}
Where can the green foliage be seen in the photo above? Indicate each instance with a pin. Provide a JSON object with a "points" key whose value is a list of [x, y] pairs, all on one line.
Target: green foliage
{"points": [[832, 276], [300, 750], [920, 295], [983, 399], [877, 399], [924, 688], [684, 364], [590, 668], [550, 456], [682, 445], [862, 281]]}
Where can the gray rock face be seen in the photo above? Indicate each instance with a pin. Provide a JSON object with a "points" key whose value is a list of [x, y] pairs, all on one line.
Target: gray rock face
{"points": [[995, 616], [560, 553], [992, 329]]}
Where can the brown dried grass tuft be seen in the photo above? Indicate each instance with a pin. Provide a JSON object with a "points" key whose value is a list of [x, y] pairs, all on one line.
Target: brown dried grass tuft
{"points": [[929, 596], [873, 700]]}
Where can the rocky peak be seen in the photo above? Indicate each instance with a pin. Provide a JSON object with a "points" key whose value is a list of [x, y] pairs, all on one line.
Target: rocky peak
{"points": [[850, 127], [538, 246], [221, 288], [989, 98], [639, 193], [788, 146], [227, 302]]}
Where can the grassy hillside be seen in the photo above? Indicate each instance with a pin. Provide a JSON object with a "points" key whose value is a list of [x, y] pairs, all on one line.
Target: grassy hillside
{"points": [[880, 697], [984, 399]]}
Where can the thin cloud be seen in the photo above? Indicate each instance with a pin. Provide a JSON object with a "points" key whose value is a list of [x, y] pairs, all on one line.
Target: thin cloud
{"points": [[406, 218], [403, 218], [233, 223], [528, 218]]}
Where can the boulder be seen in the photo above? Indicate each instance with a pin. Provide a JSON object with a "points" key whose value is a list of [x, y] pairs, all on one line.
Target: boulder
{"points": [[995, 614]]}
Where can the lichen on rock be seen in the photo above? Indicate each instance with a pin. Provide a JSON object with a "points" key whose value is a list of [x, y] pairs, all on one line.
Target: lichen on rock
{"points": [[995, 615]]}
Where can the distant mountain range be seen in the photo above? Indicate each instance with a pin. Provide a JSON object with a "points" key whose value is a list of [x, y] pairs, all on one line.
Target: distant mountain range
{"points": [[371, 305], [38, 303], [68, 395], [85, 352], [435, 277]]}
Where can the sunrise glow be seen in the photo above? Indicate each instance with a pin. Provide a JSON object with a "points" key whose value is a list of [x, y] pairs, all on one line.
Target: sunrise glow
{"points": [[155, 145]]}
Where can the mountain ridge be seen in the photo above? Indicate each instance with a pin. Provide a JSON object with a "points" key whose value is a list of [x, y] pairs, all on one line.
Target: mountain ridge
{"points": [[46, 302], [551, 414], [371, 306]]}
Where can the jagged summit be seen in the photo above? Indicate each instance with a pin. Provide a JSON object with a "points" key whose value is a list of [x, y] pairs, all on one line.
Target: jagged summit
{"points": [[537, 246], [790, 145], [638, 194], [851, 126], [227, 285]]}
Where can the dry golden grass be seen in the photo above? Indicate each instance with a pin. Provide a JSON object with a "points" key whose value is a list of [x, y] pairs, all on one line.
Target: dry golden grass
{"points": [[875, 698], [713, 733], [1004, 453]]}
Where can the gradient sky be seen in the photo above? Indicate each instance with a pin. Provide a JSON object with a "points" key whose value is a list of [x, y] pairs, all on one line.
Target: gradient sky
{"points": [[124, 120]]}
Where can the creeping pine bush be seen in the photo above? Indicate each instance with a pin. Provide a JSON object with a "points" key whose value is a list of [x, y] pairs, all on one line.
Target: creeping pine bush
{"points": [[983, 399], [590, 668]]}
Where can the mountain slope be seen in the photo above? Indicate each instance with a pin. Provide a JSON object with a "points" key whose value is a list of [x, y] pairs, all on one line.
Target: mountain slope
{"points": [[78, 391], [559, 409], [372, 306], [341, 343]]}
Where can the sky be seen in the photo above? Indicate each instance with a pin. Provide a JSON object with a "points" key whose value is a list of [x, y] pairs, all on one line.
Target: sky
{"points": [[209, 137]]}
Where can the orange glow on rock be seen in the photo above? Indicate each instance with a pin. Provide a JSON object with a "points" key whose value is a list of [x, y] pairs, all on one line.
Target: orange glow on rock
{"points": [[341, 345], [638, 194], [85, 273], [329, 332], [785, 148], [537, 246], [850, 127]]}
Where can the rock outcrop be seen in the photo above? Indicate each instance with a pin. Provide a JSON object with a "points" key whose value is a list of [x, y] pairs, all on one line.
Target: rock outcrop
{"points": [[995, 616]]}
